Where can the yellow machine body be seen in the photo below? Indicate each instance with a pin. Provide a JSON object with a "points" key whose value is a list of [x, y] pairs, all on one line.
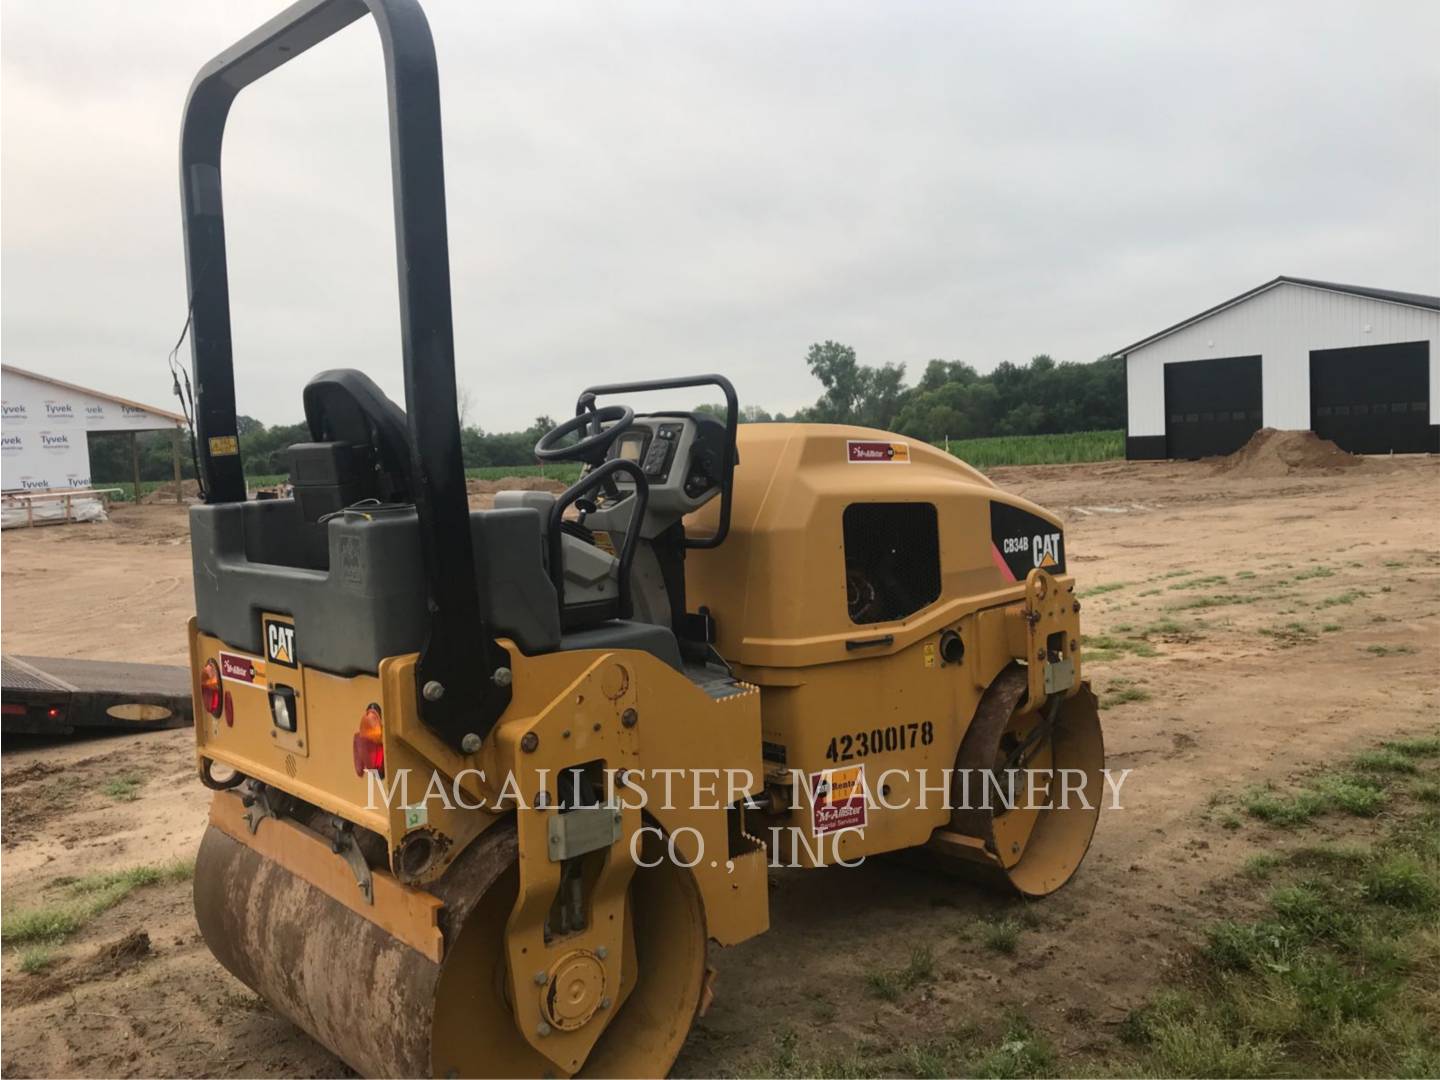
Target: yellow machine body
{"points": [[838, 742]]}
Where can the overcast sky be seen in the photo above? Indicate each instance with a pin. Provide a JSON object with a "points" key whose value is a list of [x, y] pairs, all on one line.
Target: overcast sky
{"points": [[646, 189]]}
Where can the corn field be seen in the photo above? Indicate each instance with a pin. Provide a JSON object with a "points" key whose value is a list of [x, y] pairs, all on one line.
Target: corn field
{"points": [[1040, 449]]}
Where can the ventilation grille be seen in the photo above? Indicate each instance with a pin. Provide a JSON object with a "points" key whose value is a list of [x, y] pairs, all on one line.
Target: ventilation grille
{"points": [[892, 560]]}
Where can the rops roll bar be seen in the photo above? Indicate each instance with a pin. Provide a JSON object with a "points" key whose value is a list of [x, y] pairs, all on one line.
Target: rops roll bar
{"points": [[461, 692]]}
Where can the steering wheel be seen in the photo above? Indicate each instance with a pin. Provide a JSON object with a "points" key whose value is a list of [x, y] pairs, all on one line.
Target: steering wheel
{"points": [[590, 449]]}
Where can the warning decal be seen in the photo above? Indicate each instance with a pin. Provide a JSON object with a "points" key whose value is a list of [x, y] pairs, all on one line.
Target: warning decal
{"points": [[837, 799], [861, 452]]}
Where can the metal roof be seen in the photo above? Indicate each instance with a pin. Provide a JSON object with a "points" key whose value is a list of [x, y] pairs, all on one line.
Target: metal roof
{"points": [[12, 369], [1391, 296]]}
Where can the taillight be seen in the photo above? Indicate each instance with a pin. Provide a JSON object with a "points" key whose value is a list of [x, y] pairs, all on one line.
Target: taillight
{"points": [[368, 747], [210, 687]]}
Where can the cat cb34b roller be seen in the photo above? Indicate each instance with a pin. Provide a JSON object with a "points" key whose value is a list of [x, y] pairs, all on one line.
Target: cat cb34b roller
{"points": [[836, 616]]}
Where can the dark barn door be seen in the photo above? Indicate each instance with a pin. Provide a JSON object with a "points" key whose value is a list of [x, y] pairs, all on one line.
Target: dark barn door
{"points": [[1211, 406], [1374, 399]]}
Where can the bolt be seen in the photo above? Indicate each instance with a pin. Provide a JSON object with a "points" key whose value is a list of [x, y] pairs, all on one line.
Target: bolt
{"points": [[565, 734], [502, 676], [529, 742], [601, 951], [1015, 848], [629, 718], [596, 727], [432, 691], [470, 743], [1075, 607], [542, 1029], [604, 1003], [1040, 654], [541, 978], [1074, 644]]}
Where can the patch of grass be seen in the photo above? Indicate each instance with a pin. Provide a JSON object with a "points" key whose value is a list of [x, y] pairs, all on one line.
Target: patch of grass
{"points": [[1218, 600], [1385, 760], [1200, 582], [1097, 590], [1335, 977], [1427, 792], [1283, 810], [1330, 628], [1389, 650], [1150, 592], [1260, 867], [1339, 599], [1428, 746], [1109, 644], [890, 985], [37, 958], [1021, 1052], [1122, 692], [1315, 572], [1290, 635], [1361, 796], [89, 896], [1001, 935], [123, 788], [1403, 881], [1245, 574]]}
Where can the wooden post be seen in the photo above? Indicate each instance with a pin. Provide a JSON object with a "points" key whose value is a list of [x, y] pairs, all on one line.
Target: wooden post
{"points": [[175, 459], [135, 463]]}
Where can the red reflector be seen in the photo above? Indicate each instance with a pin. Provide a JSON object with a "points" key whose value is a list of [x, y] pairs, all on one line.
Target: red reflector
{"points": [[12, 710], [210, 687], [368, 746], [53, 712]]}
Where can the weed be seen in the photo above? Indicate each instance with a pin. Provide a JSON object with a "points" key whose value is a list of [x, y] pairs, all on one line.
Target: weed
{"points": [[123, 788], [1347, 597], [1389, 650], [1218, 600], [890, 985], [1403, 881], [36, 958], [1290, 635], [1329, 628], [1002, 935], [1200, 582], [1021, 1052], [1261, 866], [1122, 692], [1315, 572], [1361, 796], [1097, 590]]}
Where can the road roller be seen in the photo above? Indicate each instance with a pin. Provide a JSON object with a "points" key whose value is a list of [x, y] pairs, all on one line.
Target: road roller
{"points": [[489, 784]]}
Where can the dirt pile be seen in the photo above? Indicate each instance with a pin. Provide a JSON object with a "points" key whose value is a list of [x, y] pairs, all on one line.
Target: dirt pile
{"points": [[482, 492], [514, 483], [1285, 453], [105, 963], [166, 494]]}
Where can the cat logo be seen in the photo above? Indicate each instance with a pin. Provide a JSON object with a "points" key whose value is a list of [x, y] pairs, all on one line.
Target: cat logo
{"points": [[280, 643], [1045, 549]]}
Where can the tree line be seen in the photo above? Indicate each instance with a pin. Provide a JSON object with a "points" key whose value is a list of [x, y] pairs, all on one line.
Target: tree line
{"points": [[951, 400]]}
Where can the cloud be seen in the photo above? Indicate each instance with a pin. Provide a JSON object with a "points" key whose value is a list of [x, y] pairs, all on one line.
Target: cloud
{"points": [[643, 189]]}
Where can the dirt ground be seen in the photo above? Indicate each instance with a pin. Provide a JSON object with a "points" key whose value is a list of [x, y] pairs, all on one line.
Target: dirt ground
{"points": [[1303, 614]]}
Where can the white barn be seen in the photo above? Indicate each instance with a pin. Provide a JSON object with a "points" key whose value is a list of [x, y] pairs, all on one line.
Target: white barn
{"points": [[44, 424], [1353, 364]]}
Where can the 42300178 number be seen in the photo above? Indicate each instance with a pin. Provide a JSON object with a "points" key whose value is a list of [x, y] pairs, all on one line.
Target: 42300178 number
{"points": [[880, 740]]}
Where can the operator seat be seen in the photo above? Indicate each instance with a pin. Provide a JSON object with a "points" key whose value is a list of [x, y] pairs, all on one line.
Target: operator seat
{"points": [[360, 446]]}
